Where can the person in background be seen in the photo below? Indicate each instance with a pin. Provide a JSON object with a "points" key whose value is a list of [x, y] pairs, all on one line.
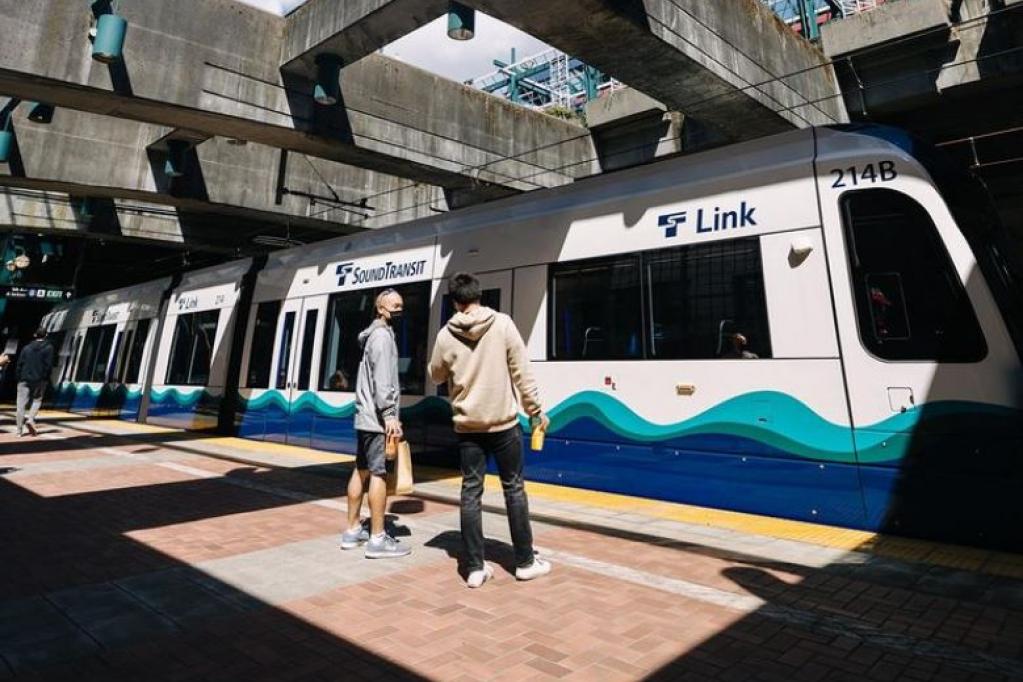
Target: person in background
{"points": [[377, 396], [737, 349], [481, 357], [35, 362]]}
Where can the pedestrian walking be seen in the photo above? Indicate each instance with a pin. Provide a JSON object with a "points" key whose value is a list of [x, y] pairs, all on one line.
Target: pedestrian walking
{"points": [[33, 372], [377, 396], [481, 356]]}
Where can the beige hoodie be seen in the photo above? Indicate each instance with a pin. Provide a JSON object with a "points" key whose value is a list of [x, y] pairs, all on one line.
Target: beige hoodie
{"points": [[481, 356]]}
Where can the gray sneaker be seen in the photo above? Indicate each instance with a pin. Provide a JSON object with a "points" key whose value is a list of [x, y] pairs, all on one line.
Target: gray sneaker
{"points": [[351, 539], [386, 548]]}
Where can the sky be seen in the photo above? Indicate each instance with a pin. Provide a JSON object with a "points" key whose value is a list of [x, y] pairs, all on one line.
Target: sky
{"points": [[429, 48]]}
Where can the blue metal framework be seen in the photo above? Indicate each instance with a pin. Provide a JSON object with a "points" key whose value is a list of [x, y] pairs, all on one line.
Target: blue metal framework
{"points": [[545, 80]]}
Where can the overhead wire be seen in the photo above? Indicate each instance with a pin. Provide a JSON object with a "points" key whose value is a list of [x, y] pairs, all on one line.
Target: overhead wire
{"points": [[975, 22]]}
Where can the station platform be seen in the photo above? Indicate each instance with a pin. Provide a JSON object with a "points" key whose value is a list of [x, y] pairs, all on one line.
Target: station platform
{"points": [[136, 552]]}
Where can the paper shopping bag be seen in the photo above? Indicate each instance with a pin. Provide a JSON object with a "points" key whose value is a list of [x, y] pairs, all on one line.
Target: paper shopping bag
{"points": [[399, 477]]}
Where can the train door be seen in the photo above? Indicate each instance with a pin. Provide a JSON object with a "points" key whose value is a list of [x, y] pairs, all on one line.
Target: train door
{"points": [[280, 370], [302, 396], [292, 371], [127, 365], [929, 364]]}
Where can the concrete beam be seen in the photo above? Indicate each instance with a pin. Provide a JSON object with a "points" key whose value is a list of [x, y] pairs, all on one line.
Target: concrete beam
{"points": [[732, 64], [104, 156], [717, 61], [213, 66]]}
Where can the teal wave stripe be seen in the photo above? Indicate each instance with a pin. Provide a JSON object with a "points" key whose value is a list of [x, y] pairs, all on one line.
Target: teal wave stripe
{"points": [[79, 390], [771, 418], [178, 397]]}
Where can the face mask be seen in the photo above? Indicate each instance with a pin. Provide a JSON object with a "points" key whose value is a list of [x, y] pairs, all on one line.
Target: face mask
{"points": [[395, 315]]}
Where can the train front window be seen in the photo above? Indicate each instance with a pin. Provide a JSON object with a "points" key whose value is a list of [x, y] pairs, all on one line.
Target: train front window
{"points": [[351, 312], [910, 302], [192, 348]]}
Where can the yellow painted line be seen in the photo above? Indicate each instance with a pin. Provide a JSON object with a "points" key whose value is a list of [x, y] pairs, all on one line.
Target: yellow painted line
{"points": [[907, 549], [277, 449]]}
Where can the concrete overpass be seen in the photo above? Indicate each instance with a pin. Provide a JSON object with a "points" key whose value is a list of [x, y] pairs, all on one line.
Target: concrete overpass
{"points": [[717, 62]]}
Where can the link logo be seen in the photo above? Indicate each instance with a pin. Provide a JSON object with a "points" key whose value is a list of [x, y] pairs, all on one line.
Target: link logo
{"points": [[670, 223], [709, 220]]}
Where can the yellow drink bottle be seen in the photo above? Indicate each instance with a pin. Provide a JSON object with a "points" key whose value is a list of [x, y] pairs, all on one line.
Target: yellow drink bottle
{"points": [[536, 439]]}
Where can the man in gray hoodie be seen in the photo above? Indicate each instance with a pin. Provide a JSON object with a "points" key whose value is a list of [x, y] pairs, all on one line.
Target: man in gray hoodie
{"points": [[377, 395]]}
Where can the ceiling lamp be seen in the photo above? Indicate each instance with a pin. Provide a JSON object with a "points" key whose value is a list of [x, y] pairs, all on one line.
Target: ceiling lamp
{"points": [[174, 167], [41, 112], [327, 91], [109, 40], [461, 21]]}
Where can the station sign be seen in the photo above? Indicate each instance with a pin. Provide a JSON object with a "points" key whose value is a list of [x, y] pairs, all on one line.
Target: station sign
{"points": [[37, 293]]}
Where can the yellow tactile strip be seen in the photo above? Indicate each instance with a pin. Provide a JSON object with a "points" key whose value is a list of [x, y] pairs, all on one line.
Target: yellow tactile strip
{"points": [[907, 549]]}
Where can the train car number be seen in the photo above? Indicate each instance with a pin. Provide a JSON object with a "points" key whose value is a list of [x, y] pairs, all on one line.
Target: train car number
{"points": [[882, 171]]}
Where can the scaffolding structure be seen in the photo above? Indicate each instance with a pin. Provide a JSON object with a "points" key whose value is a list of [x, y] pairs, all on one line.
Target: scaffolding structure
{"points": [[806, 16], [547, 80]]}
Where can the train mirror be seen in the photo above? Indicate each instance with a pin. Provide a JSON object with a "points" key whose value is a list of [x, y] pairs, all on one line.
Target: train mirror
{"points": [[799, 251]]}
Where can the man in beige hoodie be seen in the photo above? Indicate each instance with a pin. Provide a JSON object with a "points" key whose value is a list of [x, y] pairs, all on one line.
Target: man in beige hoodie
{"points": [[481, 356]]}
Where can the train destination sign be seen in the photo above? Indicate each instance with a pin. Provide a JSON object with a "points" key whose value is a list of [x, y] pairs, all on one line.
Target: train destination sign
{"points": [[37, 293]]}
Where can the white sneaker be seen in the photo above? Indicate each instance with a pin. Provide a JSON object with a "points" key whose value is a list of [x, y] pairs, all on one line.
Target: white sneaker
{"points": [[538, 568], [477, 578]]}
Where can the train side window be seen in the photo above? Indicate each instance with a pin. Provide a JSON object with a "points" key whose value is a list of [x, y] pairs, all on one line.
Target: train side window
{"points": [[910, 302], [351, 312], [95, 353], [700, 297], [192, 348], [596, 309], [261, 356], [138, 346], [284, 350], [111, 373], [491, 298], [72, 359], [306, 357]]}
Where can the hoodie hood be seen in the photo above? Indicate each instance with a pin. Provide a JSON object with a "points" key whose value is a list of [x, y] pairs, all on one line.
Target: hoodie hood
{"points": [[472, 325], [364, 334]]}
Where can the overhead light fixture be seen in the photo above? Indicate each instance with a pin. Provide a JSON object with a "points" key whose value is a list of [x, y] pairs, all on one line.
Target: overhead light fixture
{"points": [[327, 91], [461, 21], [237, 142], [276, 242], [174, 167], [6, 140], [41, 112], [109, 40]]}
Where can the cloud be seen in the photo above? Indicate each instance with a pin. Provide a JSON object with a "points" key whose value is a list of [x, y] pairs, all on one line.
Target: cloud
{"points": [[430, 48], [274, 6]]}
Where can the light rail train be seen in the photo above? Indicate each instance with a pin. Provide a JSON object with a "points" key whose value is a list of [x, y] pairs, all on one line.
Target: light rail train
{"points": [[879, 384]]}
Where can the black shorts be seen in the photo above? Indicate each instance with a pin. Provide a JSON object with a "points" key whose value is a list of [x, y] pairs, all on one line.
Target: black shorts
{"points": [[369, 453]]}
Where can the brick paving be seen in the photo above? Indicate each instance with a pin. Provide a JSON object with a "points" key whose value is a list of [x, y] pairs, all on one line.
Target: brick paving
{"points": [[139, 557]]}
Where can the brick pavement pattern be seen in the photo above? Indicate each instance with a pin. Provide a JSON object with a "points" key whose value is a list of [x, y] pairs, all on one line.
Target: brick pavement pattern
{"points": [[126, 557]]}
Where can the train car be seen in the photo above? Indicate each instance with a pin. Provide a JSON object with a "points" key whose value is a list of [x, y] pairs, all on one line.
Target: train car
{"points": [[820, 325], [103, 344]]}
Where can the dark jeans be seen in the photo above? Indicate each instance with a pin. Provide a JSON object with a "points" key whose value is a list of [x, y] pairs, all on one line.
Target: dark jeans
{"points": [[506, 448]]}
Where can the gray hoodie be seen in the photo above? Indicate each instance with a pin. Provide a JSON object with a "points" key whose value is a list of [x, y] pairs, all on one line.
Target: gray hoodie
{"points": [[377, 390]]}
